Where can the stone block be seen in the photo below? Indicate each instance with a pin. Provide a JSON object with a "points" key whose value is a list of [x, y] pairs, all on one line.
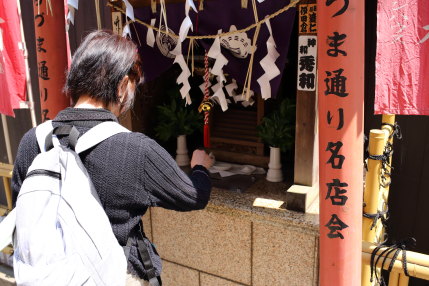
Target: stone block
{"points": [[210, 280], [6, 276], [283, 257], [213, 243], [147, 226], [176, 275]]}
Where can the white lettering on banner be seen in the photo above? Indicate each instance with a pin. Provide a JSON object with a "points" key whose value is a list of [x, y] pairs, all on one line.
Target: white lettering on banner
{"points": [[1, 48], [425, 38]]}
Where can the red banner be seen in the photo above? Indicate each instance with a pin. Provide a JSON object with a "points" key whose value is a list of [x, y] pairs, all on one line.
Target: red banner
{"points": [[12, 64], [402, 63]]}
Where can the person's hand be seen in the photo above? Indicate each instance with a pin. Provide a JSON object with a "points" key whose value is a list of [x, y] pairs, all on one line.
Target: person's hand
{"points": [[200, 157]]}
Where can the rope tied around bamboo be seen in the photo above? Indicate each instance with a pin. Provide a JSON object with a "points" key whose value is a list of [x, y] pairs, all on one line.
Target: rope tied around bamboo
{"points": [[395, 248], [386, 156], [382, 215], [396, 130]]}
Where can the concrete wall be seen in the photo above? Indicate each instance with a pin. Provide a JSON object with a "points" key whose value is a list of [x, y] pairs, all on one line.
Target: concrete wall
{"points": [[206, 248]]}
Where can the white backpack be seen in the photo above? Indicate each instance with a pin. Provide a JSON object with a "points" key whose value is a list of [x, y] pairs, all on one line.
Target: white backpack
{"points": [[63, 235]]}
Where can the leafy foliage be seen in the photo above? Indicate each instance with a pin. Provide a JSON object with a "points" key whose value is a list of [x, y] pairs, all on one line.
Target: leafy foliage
{"points": [[278, 128], [176, 119]]}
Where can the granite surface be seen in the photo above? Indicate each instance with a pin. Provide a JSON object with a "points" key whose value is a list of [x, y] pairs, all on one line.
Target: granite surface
{"points": [[147, 225], [241, 205], [283, 257], [210, 280], [204, 240], [176, 275]]}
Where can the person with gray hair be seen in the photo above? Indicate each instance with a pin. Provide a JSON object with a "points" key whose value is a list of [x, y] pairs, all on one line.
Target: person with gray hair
{"points": [[130, 171]]}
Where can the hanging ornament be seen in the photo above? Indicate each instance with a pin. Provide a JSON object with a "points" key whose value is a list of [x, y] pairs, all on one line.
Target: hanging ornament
{"points": [[150, 36], [166, 42], [238, 44], [268, 65], [73, 6], [129, 10], [231, 87], [153, 6], [219, 95], [221, 61], [126, 32], [183, 78], [207, 104]]}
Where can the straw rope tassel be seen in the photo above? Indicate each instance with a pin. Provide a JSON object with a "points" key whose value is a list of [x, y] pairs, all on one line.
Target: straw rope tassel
{"points": [[248, 80], [97, 12], [206, 98]]}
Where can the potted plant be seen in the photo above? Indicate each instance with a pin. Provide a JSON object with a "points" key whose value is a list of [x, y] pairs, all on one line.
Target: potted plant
{"points": [[175, 120], [277, 130]]}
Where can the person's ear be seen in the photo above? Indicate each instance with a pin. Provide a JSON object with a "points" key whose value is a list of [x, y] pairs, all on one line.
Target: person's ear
{"points": [[122, 89]]}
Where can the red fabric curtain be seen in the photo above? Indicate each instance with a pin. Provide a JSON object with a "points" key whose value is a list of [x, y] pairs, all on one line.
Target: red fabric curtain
{"points": [[12, 64], [402, 63]]}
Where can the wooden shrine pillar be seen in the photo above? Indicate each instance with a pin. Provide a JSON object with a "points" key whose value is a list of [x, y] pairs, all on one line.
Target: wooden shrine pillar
{"points": [[304, 191], [51, 50], [340, 107]]}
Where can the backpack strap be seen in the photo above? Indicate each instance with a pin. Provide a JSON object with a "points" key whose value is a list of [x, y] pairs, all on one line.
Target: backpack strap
{"points": [[63, 130], [145, 256], [42, 132], [98, 134], [147, 262]]}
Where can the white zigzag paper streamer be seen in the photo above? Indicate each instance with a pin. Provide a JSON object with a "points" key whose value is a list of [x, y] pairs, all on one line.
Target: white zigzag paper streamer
{"points": [[219, 95], [126, 31], [187, 23], [268, 65], [150, 36], [183, 78], [203, 86], [231, 87], [73, 5], [129, 10], [221, 61]]}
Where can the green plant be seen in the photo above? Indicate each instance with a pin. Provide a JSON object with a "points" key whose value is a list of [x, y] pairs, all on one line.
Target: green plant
{"points": [[278, 128], [176, 119]]}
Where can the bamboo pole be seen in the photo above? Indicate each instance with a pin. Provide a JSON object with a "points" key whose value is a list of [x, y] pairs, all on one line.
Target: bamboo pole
{"points": [[377, 142], [417, 264], [393, 279], [414, 270], [6, 170], [8, 191], [412, 257], [7, 139], [403, 280], [389, 119]]}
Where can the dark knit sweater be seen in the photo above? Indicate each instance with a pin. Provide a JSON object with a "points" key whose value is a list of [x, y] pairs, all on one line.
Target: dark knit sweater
{"points": [[130, 172]]}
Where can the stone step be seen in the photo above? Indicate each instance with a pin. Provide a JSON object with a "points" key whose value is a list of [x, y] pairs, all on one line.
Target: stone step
{"points": [[6, 276]]}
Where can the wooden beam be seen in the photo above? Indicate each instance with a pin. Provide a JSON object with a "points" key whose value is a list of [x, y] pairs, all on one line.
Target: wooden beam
{"points": [[306, 140], [240, 158], [6, 170], [145, 3]]}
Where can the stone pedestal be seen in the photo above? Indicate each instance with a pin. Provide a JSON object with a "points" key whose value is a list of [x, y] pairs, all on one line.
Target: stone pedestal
{"points": [[182, 157]]}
